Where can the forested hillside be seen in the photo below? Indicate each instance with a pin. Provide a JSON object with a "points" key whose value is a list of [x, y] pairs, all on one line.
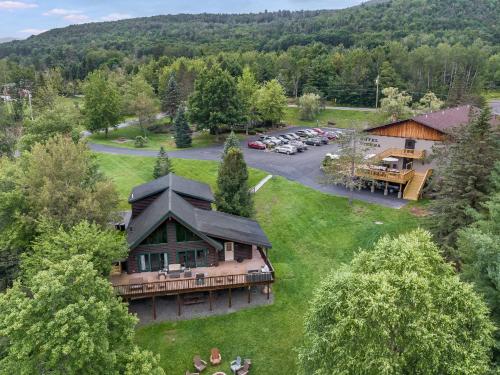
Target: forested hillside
{"points": [[415, 22]]}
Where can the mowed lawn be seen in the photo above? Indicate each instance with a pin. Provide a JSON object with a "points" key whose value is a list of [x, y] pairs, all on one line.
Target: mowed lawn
{"points": [[341, 118], [155, 140], [312, 234]]}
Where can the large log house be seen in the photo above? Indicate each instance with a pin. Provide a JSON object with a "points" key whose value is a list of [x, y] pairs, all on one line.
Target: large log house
{"points": [[179, 245]]}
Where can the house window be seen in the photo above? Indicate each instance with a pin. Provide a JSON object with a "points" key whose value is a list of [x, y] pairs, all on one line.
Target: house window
{"points": [[151, 262], [158, 236], [183, 234], [193, 258]]}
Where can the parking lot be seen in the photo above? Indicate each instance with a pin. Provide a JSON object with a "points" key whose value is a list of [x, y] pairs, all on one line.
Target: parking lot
{"points": [[302, 167]]}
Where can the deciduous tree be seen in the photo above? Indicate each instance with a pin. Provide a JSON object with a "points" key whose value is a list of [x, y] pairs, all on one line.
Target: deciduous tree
{"points": [[309, 106], [397, 309], [101, 102], [67, 320], [271, 102], [395, 104], [247, 87], [141, 101]]}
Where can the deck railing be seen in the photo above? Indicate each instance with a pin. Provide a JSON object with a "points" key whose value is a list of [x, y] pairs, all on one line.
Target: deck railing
{"points": [[402, 153], [196, 284], [401, 177], [192, 284]]}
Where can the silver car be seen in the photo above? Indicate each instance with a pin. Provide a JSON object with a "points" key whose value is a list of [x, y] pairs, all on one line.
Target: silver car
{"points": [[286, 149]]}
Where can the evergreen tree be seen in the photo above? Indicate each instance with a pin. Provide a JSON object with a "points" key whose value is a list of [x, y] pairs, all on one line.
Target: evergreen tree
{"points": [[172, 98], [233, 195], [465, 165], [232, 141], [163, 165], [182, 131]]}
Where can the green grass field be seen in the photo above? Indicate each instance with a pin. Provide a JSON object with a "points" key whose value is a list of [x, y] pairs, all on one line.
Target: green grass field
{"points": [[155, 141], [312, 234], [342, 119]]}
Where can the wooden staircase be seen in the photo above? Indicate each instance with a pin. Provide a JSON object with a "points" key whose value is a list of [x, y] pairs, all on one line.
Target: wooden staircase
{"points": [[413, 189]]}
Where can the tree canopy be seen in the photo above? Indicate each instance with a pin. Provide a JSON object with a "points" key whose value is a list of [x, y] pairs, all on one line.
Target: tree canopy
{"points": [[397, 309]]}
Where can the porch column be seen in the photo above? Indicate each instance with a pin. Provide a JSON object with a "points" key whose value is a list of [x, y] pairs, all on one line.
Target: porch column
{"points": [[249, 292], [178, 305], [400, 192], [154, 308], [230, 302], [210, 299], [372, 189], [268, 290], [386, 190]]}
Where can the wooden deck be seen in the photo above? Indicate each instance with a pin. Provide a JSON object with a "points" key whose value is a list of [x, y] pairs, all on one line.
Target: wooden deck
{"points": [[401, 153], [225, 276], [397, 177]]}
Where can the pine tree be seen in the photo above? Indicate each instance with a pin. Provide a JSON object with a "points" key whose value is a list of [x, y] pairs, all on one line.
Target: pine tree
{"points": [[231, 142], [233, 195], [464, 166], [163, 165], [182, 131], [172, 98]]}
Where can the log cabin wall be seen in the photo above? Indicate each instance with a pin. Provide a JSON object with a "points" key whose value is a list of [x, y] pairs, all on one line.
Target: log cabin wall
{"points": [[408, 129]]}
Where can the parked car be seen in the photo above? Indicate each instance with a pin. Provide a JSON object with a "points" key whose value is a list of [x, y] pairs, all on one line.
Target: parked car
{"points": [[258, 145], [286, 149], [288, 136], [319, 131], [313, 141], [271, 141], [301, 146], [284, 139], [311, 133], [294, 136], [324, 140], [306, 133], [331, 136]]}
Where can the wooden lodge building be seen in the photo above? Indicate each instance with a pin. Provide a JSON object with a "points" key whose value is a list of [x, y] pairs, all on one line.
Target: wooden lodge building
{"points": [[179, 246], [399, 151]]}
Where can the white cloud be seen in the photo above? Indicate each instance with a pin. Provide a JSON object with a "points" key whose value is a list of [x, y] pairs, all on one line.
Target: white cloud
{"points": [[61, 12], [16, 5], [33, 31], [76, 18], [116, 17]]}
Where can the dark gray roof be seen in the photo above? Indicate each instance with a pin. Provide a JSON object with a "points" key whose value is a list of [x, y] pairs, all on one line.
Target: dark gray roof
{"points": [[178, 184], [231, 227], [208, 225]]}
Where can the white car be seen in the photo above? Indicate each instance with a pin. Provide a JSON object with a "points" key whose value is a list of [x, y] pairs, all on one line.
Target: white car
{"points": [[286, 149]]}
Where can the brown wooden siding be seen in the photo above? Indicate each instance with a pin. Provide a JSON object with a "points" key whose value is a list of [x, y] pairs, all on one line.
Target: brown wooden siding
{"points": [[409, 129], [171, 249], [198, 203], [241, 251], [141, 205]]}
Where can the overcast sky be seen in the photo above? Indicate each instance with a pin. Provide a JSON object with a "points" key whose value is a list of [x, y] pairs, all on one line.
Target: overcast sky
{"points": [[22, 18]]}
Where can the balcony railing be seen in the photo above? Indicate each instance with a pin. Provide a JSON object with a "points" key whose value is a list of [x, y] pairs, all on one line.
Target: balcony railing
{"points": [[401, 153], [195, 284], [398, 177]]}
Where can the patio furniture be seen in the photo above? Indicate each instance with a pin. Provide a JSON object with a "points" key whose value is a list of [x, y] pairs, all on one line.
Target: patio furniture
{"points": [[236, 365], [173, 268], [199, 363], [244, 370], [175, 275], [188, 273], [200, 279], [215, 357], [162, 273]]}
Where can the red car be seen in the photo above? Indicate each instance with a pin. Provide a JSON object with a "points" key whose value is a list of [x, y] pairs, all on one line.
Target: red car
{"points": [[257, 145], [331, 136], [319, 131]]}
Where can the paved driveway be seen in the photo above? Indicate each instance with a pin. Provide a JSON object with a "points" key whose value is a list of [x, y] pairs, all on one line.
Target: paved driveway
{"points": [[303, 167]]}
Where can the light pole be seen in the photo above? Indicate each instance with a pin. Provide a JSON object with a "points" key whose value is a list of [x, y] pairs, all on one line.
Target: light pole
{"points": [[377, 82]]}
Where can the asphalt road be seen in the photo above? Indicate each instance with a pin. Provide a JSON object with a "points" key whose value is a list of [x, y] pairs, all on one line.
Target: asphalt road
{"points": [[303, 167]]}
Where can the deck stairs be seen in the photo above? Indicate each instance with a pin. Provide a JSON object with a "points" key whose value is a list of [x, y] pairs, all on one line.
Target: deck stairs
{"points": [[413, 189]]}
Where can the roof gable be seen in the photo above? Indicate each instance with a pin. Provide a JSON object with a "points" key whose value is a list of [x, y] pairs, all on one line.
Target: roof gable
{"points": [[176, 183]]}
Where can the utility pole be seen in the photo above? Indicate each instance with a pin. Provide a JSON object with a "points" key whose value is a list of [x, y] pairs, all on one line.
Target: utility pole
{"points": [[377, 82]]}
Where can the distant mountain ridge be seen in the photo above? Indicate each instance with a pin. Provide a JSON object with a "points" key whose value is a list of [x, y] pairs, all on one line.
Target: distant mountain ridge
{"points": [[368, 25], [7, 39]]}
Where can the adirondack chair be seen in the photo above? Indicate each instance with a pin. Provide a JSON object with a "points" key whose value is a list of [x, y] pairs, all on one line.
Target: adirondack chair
{"points": [[236, 365], [199, 363], [215, 357], [245, 369]]}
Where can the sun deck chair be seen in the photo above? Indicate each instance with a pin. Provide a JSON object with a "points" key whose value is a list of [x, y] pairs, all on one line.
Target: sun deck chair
{"points": [[215, 357], [199, 363], [245, 369]]}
